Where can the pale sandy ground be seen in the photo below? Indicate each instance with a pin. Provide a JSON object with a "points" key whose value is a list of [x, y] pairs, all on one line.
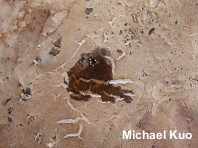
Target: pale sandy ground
{"points": [[163, 66]]}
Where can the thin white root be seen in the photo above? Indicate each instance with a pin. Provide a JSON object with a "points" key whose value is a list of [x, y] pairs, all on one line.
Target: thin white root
{"points": [[122, 55], [56, 96], [92, 95], [73, 121], [93, 80], [116, 97], [114, 117], [113, 20], [76, 134], [112, 62], [103, 102], [80, 44], [130, 94], [61, 85], [75, 109], [120, 81]]}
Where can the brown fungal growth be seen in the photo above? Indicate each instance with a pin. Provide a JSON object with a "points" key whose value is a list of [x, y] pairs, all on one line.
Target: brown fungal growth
{"points": [[91, 76]]}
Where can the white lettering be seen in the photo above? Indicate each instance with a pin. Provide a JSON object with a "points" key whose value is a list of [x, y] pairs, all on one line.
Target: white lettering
{"points": [[139, 136], [159, 135], [188, 136], [164, 134], [145, 135], [126, 134], [181, 136], [172, 134], [152, 135]]}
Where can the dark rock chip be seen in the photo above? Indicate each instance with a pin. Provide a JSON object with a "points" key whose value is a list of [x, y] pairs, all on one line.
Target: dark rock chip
{"points": [[10, 119], [10, 110], [27, 91], [58, 42], [88, 11], [38, 59], [54, 51], [119, 51], [151, 31]]}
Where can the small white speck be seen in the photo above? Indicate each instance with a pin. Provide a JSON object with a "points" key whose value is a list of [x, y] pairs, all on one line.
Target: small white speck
{"points": [[39, 46]]}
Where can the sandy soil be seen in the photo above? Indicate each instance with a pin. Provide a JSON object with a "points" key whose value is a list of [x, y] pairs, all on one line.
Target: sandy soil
{"points": [[152, 42]]}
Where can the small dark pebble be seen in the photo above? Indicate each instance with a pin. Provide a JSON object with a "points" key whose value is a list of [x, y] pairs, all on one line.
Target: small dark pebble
{"points": [[54, 137], [20, 85], [88, 11], [20, 125], [10, 109], [151, 31], [58, 42], [27, 91], [54, 51], [119, 51], [10, 119], [38, 59], [144, 74], [154, 146]]}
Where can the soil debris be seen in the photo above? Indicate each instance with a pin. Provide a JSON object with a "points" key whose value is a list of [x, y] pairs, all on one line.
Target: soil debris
{"points": [[58, 42], [88, 11], [54, 51]]}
